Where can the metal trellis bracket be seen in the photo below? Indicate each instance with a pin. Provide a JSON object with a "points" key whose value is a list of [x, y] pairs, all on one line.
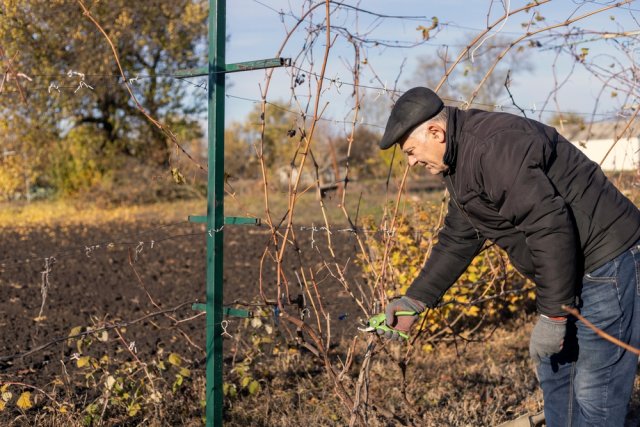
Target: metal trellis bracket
{"points": [[227, 311], [234, 68], [228, 220]]}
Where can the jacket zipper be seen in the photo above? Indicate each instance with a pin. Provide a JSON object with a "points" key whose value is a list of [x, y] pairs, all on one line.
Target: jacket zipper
{"points": [[455, 197]]}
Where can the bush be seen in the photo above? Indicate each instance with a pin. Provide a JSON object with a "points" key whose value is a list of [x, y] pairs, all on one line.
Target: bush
{"points": [[487, 292]]}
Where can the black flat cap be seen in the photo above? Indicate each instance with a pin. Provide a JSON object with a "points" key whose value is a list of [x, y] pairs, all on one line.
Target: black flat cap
{"points": [[415, 106]]}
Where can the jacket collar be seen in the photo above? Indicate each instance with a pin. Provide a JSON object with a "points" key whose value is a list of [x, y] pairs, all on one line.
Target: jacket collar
{"points": [[454, 125]]}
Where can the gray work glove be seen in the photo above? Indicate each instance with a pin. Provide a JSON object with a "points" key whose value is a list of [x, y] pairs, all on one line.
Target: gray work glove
{"points": [[401, 323], [547, 337]]}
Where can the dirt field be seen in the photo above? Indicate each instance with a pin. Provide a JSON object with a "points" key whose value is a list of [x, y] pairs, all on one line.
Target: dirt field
{"points": [[94, 279], [86, 284], [94, 283]]}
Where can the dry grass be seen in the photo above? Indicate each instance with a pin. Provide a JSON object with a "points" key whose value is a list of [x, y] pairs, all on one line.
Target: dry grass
{"points": [[472, 383], [482, 383], [242, 198], [70, 212]]}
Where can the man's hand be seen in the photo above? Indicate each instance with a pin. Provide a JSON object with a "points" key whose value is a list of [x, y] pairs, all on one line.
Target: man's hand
{"points": [[401, 323], [547, 337]]}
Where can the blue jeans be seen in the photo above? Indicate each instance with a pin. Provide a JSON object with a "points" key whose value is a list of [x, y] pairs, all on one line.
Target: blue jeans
{"points": [[590, 382]]}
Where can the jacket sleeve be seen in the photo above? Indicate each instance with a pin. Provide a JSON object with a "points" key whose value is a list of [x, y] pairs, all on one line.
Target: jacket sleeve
{"points": [[513, 174], [458, 243]]}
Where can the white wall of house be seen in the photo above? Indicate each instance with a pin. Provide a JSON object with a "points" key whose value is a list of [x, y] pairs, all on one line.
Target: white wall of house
{"points": [[596, 139], [625, 155]]}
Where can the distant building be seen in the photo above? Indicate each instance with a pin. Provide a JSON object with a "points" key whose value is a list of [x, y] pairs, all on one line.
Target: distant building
{"points": [[596, 139]]}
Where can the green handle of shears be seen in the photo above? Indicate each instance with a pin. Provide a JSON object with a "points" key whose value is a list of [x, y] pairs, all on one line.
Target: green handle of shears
{"points": [[379, 322], [405, 313]]}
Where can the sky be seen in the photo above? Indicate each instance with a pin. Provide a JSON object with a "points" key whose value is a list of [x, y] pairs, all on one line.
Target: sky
{"points": [[256, 29]]}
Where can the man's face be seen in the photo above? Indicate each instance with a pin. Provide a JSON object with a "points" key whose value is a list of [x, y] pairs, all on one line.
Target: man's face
{"points": [[425, 146]]}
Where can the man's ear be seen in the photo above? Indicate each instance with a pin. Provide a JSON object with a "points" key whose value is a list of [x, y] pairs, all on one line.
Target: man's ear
{"points": [[437, 132]]}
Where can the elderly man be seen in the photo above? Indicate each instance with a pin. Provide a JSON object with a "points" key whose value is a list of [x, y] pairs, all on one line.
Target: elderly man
{"points": [[521, 185]]}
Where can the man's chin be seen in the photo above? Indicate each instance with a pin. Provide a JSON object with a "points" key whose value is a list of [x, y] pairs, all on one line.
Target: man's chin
{"points": [[438, 171]]}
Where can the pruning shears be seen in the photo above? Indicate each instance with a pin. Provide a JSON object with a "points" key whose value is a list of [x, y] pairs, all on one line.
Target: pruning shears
{"points": [[378, 322]]}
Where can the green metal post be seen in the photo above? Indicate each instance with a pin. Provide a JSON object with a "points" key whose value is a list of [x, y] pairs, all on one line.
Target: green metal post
{"points": [[215, 211], [215, 218]]}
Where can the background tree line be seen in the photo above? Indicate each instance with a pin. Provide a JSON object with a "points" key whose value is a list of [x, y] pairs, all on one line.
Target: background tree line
{"points": [[76, 128]]}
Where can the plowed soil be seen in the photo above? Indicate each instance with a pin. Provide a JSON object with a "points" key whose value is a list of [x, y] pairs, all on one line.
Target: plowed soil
{"points": [[92, 281]]}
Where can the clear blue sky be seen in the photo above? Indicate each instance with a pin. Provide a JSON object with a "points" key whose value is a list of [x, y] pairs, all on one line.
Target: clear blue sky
{"points": [[257, 29]]}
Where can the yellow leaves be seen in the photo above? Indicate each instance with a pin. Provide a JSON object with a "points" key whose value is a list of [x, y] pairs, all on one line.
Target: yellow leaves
{"points": [[175, 359], [12, 172], [172, 28], [254, 387], [229, 389], [257, 340], [245, 381], [133, 409], [83, 361], [124, 20], [472, 311], [177, 176], [250, 384], [177, 383], [24, 401], [194, 12], [462, 299], [6, 396], [75, 331]]}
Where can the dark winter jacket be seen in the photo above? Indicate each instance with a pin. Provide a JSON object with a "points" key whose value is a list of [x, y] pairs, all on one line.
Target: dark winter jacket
{"points": [[520, 184]]}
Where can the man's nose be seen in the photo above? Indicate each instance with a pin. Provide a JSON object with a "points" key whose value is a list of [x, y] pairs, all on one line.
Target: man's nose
{"points": [[412, 161]]}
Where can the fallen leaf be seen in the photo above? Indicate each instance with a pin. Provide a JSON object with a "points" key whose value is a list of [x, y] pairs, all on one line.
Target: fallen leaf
{"points": [[82, 361], [175, 359], [24, 401]]}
